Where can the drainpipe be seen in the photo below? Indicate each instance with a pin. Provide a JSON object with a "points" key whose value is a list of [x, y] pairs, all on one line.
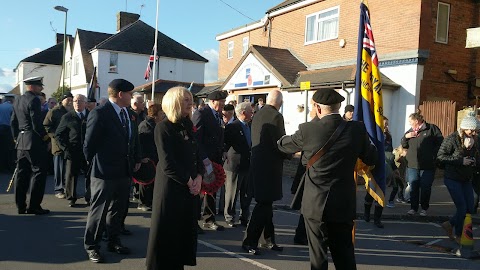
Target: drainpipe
{"points": [[348, 93]]}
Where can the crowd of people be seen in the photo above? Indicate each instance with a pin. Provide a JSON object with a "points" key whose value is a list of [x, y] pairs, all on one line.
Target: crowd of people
{"points": [[169, 152]]}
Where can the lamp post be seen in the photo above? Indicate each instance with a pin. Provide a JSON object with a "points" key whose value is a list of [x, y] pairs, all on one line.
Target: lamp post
{"points": [[63, 9]]}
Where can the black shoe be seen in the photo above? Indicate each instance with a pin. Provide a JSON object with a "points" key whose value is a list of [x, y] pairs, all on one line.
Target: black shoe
{"points": [[274, 247], [38, 211], [124, 231], [200, 230], [22, 211], [213, 226], [71, 203], [94, 256], [118, 248], [144, 207], [303, 241], [379, 224], [251, 250], [231, 224]]}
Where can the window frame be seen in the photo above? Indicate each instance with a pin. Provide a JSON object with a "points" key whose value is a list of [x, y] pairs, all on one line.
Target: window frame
{"points": [[230, 49], [245, 43], [76, 65], [113, 68], [316, 23], [68, 69], [448, 22]]}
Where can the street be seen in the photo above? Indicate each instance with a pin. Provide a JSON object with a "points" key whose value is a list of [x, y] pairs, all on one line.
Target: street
{"points": [[55, 241]]}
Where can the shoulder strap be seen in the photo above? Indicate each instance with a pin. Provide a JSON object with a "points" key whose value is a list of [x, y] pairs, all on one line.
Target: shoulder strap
{"points": [[327, 145]]}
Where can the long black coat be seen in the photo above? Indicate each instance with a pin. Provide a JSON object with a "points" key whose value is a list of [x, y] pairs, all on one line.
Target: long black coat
{"points": [[146, 138], [267, 161], [237, 148], [329, 193], [70, 135], [173, 233], [209, 134]]}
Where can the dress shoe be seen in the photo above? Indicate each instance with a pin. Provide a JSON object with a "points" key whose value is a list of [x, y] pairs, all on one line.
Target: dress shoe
{"points": [[251, 250], [379, 224], [94, 256], [213, 226], [303, 241], [71, 203], [118, 248], [38, 211], [273, 247], [231, 224], [22, 211], [124, 231]]}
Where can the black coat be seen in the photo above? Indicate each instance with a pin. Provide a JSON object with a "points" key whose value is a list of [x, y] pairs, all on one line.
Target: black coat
{"points": [[110, 150], [26, 123], [173, 234], [266, 164], [70, 135], [329, 193], [51, 122], [209, 134], [423, 149], [146, 139], [237, 148]]}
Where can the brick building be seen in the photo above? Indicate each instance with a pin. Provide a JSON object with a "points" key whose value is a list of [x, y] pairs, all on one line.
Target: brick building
{"points": [[420, 44]]}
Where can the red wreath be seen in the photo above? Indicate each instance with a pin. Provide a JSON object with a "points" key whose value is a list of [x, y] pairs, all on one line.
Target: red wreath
{"points": [[214, 186]]}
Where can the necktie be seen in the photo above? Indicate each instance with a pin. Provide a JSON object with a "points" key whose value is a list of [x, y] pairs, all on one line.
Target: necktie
{"points": [[219, 120], [82, 117], [248, 135], [125, 125]]}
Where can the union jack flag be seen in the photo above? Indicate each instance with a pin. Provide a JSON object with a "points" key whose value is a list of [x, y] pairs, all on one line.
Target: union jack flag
{"points": [[150, 65]]}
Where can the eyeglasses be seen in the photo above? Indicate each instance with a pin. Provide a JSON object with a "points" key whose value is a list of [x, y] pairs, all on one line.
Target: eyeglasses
{"points": [[79, 101]]}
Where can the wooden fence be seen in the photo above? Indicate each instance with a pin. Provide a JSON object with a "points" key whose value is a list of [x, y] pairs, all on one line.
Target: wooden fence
{"points": [[441, 113]]}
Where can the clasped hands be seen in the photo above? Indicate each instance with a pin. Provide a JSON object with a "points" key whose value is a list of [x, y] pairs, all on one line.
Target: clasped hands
{"points": [[195, 184]]}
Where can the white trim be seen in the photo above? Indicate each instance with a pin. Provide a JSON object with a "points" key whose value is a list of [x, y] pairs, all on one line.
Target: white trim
{"points": [[230, 50], [448, 22], [315, 26], [245, 48]]}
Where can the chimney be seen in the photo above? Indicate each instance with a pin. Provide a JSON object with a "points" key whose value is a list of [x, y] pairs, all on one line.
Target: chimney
{"points": [[124, 19]]}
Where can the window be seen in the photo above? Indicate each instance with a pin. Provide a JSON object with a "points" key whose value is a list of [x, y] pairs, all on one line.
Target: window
{"points": [[67, 69], [113, 63], [322, 26], [245, 45], [230, 50], [443, 16], [76, 65]]}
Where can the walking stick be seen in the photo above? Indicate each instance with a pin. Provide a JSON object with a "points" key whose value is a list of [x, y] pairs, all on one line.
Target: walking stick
{"points": [[11, 180]]}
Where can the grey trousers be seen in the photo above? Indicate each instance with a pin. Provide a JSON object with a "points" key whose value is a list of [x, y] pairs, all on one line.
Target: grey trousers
{"points": [[235, 183], [107, 207]]}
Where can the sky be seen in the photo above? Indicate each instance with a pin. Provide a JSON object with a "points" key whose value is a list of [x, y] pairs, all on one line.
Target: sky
{"points": [[29, 26]]}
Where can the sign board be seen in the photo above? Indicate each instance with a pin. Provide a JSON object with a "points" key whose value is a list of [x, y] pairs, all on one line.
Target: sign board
{"points": [[473, 38], [305, 85]]}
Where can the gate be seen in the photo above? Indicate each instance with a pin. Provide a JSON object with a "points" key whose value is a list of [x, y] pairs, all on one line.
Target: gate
{"points": [[441, 113]]}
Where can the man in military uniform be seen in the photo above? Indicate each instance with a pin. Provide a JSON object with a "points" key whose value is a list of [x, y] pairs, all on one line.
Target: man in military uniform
{"points": [[329, 187], [31, 147], [51, 122]]}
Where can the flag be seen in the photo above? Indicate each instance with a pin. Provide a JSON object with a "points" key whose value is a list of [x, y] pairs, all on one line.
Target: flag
{"points": [[92, 87], [150, 65], [190, 87], [369, 104]]}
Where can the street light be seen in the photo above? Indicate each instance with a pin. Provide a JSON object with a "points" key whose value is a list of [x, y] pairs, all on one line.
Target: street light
{"points": [[63, 9]]}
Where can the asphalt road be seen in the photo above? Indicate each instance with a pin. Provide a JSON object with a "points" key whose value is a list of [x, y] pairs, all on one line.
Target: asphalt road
{"points": [[55, 242]]}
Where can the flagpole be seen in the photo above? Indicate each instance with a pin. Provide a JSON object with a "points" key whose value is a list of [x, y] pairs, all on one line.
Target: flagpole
{"points": [[155, 53]]}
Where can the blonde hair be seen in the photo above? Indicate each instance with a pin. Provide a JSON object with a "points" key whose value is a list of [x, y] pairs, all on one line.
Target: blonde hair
{"points": [[172, 103]]}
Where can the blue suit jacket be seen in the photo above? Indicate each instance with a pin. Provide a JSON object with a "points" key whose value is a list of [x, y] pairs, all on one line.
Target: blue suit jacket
{"points": [[107, 147]]}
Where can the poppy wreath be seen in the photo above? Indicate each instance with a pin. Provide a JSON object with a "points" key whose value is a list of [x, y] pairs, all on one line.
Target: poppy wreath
{"points": [[146, 174], [214, 186]]}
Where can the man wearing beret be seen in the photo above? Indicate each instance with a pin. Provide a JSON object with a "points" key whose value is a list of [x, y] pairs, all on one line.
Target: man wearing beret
{"points": [[348, 115], [209, 135], [329, 187], [31, 146], [51, 122], [91, 104], [112, 150]]}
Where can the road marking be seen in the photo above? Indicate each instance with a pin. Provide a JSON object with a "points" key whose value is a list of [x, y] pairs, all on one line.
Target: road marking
{"points": [[238, 256], [433, 242]]}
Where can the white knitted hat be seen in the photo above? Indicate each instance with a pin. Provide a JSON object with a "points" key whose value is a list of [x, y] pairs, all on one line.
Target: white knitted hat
{"points": [[470, 121]]}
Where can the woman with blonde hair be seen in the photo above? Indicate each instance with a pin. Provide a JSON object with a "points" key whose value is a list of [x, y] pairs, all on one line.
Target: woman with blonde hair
{"points": [[459, 157], [173, 234]]}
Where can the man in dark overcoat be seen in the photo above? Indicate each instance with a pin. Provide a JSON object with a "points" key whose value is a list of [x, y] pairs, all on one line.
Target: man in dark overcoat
{"points": [[31, 144], [70, 135], [329, 188], [266, 169], [238, 143], [209, 134], [111, 147]]}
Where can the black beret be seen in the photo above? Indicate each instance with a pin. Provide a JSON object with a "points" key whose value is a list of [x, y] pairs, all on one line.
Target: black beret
{"points": [[121, 85], [92, 100], [34, 81], [349, 108], [228, 107], [146, 174], [217, 95], [67, 95], [327, 96]]}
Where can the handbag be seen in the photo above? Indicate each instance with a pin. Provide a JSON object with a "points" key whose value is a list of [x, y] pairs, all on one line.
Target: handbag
{"points": [[297, 199]]}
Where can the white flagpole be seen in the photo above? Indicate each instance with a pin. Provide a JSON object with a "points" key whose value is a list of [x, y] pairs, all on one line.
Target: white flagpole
{"points": [[155, 53]]}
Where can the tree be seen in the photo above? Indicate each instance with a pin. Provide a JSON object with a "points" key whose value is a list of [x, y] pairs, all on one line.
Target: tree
{"points": [[60, 92]]}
